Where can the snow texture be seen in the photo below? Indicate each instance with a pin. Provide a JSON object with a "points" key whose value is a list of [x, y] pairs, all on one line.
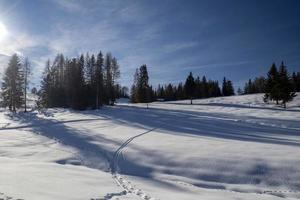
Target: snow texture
{"points": [[218, 148]]}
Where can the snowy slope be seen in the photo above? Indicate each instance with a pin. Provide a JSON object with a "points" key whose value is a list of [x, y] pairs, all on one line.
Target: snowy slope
{"points": [[219, 148]]}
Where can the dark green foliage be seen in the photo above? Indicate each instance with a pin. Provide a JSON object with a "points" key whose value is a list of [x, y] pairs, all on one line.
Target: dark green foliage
{"points": [[280, 86], [99, 80], [272, 85], [256, 86], [202, 89], [227, 88], [296, 81], [13, 85], [189, 86], [79, 83], [141, 92], [286, 90]]}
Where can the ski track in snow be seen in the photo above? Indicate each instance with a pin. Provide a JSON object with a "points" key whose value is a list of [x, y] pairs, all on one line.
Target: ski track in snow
{"points": [[127, 186]]}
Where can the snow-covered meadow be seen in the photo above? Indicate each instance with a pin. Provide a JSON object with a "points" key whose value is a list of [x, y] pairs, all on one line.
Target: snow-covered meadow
{"points": [[219, 148]]}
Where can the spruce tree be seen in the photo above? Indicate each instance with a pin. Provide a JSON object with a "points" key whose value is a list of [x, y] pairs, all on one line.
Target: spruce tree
{"points": [[13, 84], [46, 88], [134, 88], [272, 85], [296, 81], [115, 75], [108, 78], [26, 75], [286, 91], [99, 80], [227, 88], [190, 86], [143, 85]]}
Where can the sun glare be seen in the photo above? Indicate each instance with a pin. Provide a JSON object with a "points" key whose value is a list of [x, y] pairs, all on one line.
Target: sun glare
{"points": [[3, 31]]}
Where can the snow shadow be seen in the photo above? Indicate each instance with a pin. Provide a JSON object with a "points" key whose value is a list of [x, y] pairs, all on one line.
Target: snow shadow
{"points": [[93, 155], [89, 154], [229, 105], [203, 124]]}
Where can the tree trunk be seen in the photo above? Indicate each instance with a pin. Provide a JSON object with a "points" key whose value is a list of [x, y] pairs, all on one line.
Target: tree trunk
{"points": [[25, 97], [191, 100]]}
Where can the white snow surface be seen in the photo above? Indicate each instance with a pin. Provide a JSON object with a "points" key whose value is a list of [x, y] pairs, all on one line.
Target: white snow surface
{"points": [[218, 148]]}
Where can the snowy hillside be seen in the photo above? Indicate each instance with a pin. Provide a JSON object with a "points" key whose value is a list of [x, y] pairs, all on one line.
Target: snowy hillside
{"points": [[219, 148]]}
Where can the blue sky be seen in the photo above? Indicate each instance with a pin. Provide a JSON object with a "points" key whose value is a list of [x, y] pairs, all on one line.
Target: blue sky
{"points": [[233, 38]]}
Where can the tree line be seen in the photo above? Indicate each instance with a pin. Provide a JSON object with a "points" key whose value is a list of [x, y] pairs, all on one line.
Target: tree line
{"points": [[88, 81], [142, 92], [279, 86], [258, 84], [15, 83]]}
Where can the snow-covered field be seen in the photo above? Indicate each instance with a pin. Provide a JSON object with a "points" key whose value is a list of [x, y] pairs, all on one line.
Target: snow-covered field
{"points": [[219, 148]]}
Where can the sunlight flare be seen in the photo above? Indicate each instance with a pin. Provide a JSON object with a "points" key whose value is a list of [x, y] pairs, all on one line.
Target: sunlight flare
{"points": [[3, 31]]}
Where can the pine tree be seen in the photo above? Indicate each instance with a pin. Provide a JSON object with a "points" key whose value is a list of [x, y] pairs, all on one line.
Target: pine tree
{"points": [[46, 88], [82, 90], [190, 86], [108, 78], [272, 85], [115, 74], [204, 87], [134, 88], [141, 92], [230, 90], [99, 80], [296, 81], [224, 87], [13, 84], [26, 74], [143, 85], [227, 88], [286, 91], [80, 83]]}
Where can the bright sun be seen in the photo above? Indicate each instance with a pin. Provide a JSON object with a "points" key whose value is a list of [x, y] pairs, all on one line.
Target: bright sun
{"points": [[3, 31]]}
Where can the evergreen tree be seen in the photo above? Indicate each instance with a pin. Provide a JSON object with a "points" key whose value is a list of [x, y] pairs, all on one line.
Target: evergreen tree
{"points": [[296, 81], [204, 87], [143, 85], [286, 90], [180, 92], [115, 74], [134, 88], [81, 86], [141, 92], [45, 92], [272, 85], [108, 78], [190, 86], [227, 88], [79, 83], [99, 80], [26, 74], [13, 84]]}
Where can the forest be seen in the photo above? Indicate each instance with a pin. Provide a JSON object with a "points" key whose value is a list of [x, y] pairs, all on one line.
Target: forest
{"points": [[91, 81]]}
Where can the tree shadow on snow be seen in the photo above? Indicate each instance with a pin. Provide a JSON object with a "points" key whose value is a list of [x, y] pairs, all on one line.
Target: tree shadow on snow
{"points": [[90, 154], [225, 126], [247, 106]]}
